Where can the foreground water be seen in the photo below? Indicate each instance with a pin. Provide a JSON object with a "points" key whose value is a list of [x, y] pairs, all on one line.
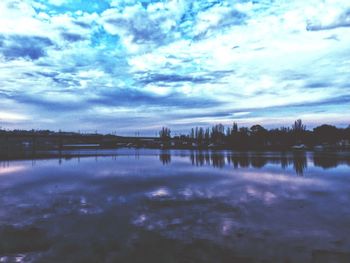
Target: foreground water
{"points": [[176, 206]]}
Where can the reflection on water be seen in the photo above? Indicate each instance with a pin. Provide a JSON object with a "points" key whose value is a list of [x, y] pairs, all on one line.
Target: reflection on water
{"points": [[5, 168], [165, 157], [218, 159], [176, 206], [298, 160]]}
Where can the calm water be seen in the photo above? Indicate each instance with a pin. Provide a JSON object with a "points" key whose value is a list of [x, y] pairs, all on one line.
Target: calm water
{"points": [[176, 206]]}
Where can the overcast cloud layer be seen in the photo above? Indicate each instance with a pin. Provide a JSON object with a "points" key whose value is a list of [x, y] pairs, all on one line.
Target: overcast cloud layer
{"points": [[126, 66]]}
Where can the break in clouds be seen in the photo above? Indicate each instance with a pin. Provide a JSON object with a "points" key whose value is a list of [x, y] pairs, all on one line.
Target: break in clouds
{"points": [[121, 64]]}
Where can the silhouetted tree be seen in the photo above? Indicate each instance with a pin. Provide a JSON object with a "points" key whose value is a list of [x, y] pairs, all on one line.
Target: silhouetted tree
{"points": [[232, 138], [298, 126], [218, 133], [257, 130], [298, 130], [326, 134], [234, 127], [207, 136], [347, 133], [192, 135], [242, 138], [165, 134], [259, 135]]}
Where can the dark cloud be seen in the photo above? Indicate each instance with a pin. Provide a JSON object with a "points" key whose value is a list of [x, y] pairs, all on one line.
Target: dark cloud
{"points": [[221, 73], [30, 47], [72, 37], [145, 28], [309, 107], [318, 85], [151, 78], [48, 74], [216, 114], [313, 27], [147, 31], [231, 18], [338, 100], [172, 79], [82, 24], [45, 106], [108, 98], [28, 74], [343, 20], [335, 101], [66, 81], [135, 98]]}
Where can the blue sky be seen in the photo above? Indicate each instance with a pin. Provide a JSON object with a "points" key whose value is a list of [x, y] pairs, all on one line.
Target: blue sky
{"points": [[127, 66]]}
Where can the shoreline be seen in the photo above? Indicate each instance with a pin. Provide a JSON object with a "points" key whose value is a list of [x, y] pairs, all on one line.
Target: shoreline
{"points": [[67, 153]]}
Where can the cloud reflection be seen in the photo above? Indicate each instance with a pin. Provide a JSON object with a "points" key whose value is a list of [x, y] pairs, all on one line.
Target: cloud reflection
{"points": [[5, 170]]}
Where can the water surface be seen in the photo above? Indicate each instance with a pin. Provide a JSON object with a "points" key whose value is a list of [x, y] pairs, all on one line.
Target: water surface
{"points": [[176, 206]]}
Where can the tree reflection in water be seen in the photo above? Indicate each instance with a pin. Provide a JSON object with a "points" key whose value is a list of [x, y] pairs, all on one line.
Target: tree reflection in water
{"points": [[298, 160], [165, 157]]}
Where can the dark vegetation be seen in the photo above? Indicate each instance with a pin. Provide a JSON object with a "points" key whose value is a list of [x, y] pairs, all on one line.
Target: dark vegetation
{"points": [[257, 137]]}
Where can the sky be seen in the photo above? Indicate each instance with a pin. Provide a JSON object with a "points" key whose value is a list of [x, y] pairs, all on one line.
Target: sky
{"points": [[130, 66]]}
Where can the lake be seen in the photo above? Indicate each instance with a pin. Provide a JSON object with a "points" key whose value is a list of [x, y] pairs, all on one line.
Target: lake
{"points": [[130, 205]]}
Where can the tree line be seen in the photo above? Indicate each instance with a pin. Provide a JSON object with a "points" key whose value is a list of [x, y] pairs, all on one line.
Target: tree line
{"points": [[259, 137]]}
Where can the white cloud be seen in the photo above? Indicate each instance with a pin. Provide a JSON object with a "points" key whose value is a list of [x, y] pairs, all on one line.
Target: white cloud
{"points": [[12, 117], [329, 15], [142, 29]]}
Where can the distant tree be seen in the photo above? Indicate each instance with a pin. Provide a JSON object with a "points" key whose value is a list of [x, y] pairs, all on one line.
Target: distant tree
{"points": [[234, 127], [285, 129], [258, 130], [197, 134], [347, 133], [327, 134], [298, 130], [165, 134], [228, 132], [242, 138], [200, 135], [259, 135], [244, 131], [232, 136], [192, 135], [218, 133], [207, 135], [298, 126]]}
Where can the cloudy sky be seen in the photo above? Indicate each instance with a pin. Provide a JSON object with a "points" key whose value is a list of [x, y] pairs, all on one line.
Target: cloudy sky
{"points": [[126, 66]]}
